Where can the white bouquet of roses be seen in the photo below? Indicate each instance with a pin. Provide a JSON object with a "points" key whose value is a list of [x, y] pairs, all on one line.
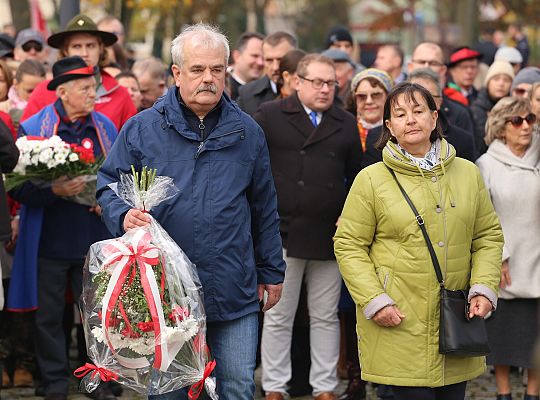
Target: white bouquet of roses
{"points": [[44, 160]]}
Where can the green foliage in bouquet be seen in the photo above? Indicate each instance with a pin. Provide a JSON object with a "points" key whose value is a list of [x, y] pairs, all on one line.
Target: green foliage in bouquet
{"points": [[134, 302]]}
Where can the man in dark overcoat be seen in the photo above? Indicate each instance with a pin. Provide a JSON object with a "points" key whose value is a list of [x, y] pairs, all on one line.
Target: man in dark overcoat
{"points": [[315, 154]]}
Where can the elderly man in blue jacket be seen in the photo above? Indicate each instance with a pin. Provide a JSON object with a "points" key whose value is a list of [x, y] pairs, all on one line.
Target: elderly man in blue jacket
{"points": [[225, 214]]}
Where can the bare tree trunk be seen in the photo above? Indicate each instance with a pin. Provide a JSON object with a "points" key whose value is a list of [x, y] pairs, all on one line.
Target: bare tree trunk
{"points": [[20, 11], [468, 20], [126, 14], [159, 36], [251, 16], [68, 9]]}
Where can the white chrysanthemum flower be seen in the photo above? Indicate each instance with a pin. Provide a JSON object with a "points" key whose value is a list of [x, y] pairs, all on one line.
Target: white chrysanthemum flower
{"points": [[20, 168], [25, 160], [45, 156], [73, 157], [34, 160], [60, 158], [54, 139], [143, 346]]}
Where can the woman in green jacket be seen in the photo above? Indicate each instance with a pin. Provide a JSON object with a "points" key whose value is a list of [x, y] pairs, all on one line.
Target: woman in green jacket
{"points": [[385, 262]]}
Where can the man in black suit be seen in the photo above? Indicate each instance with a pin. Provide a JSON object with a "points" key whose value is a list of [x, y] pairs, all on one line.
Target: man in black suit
{"points": [[253, 94], [248, 62], [315, 154]]}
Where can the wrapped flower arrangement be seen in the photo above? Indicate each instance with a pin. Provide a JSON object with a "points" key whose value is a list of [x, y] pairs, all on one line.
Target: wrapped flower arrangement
{"points": [[141, 303]]}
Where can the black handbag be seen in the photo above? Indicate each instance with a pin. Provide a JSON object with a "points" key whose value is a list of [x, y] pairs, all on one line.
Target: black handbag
{"points": [[458, 335]]}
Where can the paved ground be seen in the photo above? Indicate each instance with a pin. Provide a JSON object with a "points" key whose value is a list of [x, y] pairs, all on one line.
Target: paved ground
{"points": [[482, 388]]}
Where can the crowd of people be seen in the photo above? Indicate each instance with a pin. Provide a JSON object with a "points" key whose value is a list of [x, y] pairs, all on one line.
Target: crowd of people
{"points": [[289, 166]]}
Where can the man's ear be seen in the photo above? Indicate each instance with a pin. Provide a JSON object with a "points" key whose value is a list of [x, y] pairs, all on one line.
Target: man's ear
{"points": [[61, 92], [176, 71], [235, 54]]}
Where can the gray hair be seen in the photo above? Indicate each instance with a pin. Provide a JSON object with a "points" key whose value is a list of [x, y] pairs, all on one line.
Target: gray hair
{"points": [[198, 35], [427, 74], [152, 66], [505, 108]]}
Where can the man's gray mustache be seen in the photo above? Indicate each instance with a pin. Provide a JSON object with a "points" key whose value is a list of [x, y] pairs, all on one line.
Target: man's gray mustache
{"points": [[206, 88]]}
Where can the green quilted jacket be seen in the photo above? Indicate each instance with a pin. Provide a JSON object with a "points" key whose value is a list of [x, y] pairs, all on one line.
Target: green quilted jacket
{"points": [[384, 259]]}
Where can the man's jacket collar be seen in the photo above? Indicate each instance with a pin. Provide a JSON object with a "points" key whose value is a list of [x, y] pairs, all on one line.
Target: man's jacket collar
{"points": [[261, 85], [229, 120], [330, 124]]}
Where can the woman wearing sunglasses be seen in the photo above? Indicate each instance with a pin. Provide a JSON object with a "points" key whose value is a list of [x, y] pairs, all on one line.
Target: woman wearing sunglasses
{"points": [[369, 90], [511, 171]]}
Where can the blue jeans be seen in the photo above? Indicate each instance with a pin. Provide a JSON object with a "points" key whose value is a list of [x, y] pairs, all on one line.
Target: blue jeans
{"points": [[233, 345]]}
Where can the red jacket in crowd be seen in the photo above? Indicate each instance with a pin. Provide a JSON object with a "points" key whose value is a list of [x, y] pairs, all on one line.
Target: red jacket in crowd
{"points": [[115, 103]]}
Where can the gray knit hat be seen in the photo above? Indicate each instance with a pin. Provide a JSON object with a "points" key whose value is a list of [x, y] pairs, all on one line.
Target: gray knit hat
{"points": [[385, 80], [527, 75]]}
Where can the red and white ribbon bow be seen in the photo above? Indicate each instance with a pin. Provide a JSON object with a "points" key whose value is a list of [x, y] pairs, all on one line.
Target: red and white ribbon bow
{"points": [[125, 258]]}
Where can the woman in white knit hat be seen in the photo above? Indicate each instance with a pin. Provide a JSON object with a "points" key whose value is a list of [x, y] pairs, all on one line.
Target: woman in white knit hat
{"points": [[496, 86]]}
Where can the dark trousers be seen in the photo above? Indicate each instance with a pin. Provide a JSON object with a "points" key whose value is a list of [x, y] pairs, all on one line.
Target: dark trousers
{"points": [[449, 392], [52, 358], [16, 343]]}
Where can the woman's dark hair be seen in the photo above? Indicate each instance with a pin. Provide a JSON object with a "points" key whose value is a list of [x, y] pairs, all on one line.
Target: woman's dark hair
{"points": [[409, 90], [120, 56], [289, 63]]}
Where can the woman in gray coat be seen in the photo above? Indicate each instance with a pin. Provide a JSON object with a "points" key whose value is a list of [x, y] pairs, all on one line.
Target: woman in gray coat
{"points": [[511, 171]]}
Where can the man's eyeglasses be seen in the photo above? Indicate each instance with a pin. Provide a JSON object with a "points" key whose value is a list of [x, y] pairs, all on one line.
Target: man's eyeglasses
{"points": [[319, 83], [362, 97], [427, 63], [32, 45], [517, 121]]}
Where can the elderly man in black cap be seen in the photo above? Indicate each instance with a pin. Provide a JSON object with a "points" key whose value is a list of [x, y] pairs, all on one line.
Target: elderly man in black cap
{"points": [[55, 232], [82, 38]]}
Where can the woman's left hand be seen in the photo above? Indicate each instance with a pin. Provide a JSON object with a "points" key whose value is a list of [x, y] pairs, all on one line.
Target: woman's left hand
{"points": [[479, 306]]}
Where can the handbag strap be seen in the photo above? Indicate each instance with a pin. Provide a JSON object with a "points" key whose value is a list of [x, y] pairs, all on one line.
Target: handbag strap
{"points": [[422, 226]]}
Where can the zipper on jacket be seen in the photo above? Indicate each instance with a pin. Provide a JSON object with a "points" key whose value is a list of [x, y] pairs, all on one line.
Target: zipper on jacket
{"points": [[199, 149], [202, 127]]}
